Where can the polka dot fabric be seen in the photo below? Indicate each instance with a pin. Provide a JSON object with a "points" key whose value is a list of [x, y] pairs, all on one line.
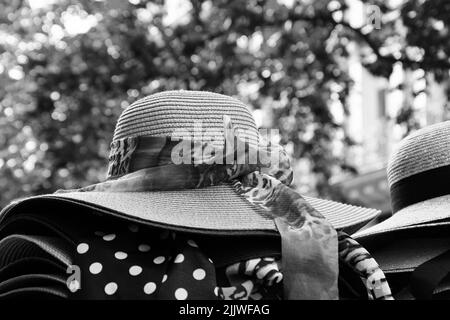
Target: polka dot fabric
{"points": [[119, 260], [122, 261], [128, 262], [143, 263]]}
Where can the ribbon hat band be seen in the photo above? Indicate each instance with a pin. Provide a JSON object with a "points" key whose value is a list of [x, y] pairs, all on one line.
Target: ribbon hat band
{"points": [[307, 237], [135, 153]]}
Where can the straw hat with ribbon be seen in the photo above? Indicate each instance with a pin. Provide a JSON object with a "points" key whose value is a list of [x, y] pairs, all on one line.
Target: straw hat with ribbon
{"points": [[417, 174], [194, 161], [216, 208]]}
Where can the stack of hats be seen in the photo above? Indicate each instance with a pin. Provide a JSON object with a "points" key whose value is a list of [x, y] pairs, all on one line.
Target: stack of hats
{"points": [[176, 243], [412, 246]]}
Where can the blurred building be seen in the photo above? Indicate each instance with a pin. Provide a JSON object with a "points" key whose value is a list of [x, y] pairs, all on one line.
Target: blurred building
{"points": [[374, 103]]}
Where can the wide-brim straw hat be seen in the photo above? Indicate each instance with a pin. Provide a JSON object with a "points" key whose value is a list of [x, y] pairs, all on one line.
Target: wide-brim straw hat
{"points": [[418, 175], [215, 209]]}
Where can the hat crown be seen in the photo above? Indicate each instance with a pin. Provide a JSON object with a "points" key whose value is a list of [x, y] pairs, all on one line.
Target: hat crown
{"points": [[423, 150], [166, 113]]}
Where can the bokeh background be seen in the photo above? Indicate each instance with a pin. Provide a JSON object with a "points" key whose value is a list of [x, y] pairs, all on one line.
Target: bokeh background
{"points": [[342, 80]]}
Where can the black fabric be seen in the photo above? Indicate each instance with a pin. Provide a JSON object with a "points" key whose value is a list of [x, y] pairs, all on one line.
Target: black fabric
{"points": [[350, 285], [33, 280], [426, 278], [28, 271], [93, 230], [400, 279], [30, 265], [25, 267], [238, 248], [41, 293], [420, 187]]}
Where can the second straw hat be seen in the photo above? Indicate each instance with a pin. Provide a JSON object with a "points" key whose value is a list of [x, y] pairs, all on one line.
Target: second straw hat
{"points": [[419, 182]]}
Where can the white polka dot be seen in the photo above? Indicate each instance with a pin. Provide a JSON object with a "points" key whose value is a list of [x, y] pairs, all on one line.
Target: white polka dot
{"points": [[95, 268], [210, 260], [144, 248], [199, 274], [164, 279], [149, 287], [133, 228], [179, 258], [111, 288], [109, 237], [192, 243], [159, 260], [82, 248], [135, 270], [216, 291], [74, 285], [181, 294], [120, 255]]}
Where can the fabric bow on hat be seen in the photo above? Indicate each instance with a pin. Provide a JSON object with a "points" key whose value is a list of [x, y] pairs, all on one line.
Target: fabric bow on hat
{"points": [[311, 247]]}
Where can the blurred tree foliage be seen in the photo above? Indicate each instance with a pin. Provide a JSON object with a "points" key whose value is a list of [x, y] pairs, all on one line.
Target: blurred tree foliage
{"points": [[67, 70]]}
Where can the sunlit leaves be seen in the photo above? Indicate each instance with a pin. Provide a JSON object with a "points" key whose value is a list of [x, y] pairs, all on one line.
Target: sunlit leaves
{"points": [[67, 73]]}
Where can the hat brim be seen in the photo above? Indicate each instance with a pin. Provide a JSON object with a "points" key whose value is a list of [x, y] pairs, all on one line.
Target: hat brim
{"points": [[430, 212], [216, 209], [405, 252]]}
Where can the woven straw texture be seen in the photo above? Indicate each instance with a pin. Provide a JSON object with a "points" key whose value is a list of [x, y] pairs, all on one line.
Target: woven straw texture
{"points": [[212, 208], [429, 212], [167, 112], [425, 149]]}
